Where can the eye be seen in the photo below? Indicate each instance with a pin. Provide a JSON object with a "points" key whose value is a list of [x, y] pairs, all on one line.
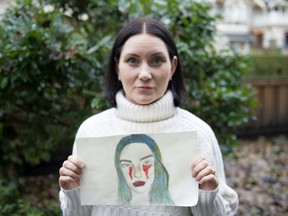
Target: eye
{"points": [[157, 61], [125, 165], [132, 61], [147, 162]]}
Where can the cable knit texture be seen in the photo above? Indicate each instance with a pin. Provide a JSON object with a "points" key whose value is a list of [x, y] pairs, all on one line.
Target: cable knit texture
{"points": [[161, 116]]}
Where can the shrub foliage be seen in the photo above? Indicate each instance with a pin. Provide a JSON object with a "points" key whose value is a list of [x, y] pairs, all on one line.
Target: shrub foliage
{"points": [[268, 65]]}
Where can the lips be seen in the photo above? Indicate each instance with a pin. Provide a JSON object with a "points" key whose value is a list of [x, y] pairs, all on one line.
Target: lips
{"points": [[139, 183], [145, 87]]}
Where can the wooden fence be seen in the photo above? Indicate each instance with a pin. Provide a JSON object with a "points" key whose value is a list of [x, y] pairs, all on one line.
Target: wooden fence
{"points": [[272, 110]]}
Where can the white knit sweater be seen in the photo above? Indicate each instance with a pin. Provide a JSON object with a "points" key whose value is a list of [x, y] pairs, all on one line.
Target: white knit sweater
{"points": [[158, 117]]}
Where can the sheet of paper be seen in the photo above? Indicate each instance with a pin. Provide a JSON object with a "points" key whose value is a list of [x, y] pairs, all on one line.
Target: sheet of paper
{"points": [[147, 169]]}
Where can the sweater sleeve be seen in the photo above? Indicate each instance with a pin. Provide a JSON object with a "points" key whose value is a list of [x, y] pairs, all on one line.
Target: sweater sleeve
{"points": [[70, 203], [216, 203], [223, 200]]}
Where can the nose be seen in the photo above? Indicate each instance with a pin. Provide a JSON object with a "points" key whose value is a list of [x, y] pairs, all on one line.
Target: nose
{"points": [[137, 172], [145, 72]]}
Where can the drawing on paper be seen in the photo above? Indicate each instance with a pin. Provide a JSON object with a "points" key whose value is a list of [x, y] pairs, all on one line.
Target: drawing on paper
{"points": [[142, 177], [150, 169]]}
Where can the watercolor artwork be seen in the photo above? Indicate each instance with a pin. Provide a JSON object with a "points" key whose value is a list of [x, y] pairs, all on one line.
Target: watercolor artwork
{"points": [[138, 169]]}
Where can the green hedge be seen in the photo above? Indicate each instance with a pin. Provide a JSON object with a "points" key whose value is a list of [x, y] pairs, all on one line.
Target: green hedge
{"points": [[268, 66], [14, 204]]}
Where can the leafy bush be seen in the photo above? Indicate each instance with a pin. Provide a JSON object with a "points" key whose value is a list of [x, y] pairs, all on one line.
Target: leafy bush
{"points": [[46, 72], [11, 203], [268, 65]]}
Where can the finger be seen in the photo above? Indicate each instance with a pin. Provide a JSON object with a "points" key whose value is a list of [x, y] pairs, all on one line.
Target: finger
{"points": [[76, 161], [205, 172], [74, 164], [66, 182], [69, 173], [71, 166], [211, 179], [65, 179], [197, 160], [199, 167]]}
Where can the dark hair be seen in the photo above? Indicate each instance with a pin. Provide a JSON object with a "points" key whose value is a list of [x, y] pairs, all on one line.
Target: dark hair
{"points": [[134, 27]]}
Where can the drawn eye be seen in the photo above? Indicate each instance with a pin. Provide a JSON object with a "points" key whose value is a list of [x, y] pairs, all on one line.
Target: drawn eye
{"points": [[125, 165], [147, 162]]}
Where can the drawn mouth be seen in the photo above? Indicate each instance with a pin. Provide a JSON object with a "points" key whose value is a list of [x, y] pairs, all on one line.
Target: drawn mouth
{"points": [[139, 183]]}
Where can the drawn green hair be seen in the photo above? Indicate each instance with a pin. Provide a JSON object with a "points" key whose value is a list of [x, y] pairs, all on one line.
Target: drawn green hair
{"points": [[159, 192]]}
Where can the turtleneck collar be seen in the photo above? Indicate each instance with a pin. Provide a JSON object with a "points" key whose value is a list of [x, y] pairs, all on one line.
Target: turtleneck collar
{"points": [[160, 110]]}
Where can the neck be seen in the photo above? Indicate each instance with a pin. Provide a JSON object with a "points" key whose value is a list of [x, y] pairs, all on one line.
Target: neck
{"points": [[157, 111], [140, 198]]}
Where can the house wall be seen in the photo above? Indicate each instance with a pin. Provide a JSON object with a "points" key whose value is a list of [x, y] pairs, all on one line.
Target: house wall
{"points": [[271, 20]]}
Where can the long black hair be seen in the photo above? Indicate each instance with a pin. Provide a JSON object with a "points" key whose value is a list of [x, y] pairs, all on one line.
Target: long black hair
{"points": [[137, 26]]}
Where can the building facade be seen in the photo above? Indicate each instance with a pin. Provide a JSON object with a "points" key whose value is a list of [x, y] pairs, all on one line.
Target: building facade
{"points": [[254, 24]]}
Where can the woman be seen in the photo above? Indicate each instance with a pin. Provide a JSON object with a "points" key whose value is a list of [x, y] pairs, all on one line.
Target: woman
{"points": [[144, 83], [141, 174]]}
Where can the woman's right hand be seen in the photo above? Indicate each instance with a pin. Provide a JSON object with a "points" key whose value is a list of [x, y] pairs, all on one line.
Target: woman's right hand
{"points": [[70, 173]]}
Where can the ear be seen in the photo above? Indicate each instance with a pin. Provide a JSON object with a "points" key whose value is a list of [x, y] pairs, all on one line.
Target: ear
{"points": [[174, 64], [117, 71]]}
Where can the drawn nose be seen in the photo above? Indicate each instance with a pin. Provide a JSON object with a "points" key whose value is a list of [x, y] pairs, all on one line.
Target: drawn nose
{"points": [[137, 172]]}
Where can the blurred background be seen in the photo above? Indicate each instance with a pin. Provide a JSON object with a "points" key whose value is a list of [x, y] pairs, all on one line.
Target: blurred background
{"points": [[53, 55]]}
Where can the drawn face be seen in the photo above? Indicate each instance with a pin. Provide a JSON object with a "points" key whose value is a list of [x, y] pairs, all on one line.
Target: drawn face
{"points": [[145, 69], [137, 164]]}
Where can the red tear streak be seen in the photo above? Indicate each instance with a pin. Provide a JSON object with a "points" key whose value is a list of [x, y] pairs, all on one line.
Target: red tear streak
{"points": [[146, 169], [130, 172]]}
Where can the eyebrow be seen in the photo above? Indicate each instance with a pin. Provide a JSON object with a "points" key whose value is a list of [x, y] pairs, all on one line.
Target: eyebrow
{"points": [[126, 161], [131, 54], [146, 157], [158, 53], [136, 55]]}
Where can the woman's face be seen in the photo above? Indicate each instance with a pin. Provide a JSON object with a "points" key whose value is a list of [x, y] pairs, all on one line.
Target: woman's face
{"points": [[145, 68], [137, 165]]}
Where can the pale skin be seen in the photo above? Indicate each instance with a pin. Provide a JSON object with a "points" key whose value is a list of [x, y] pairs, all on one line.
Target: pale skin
{"points": [[145, 70], [135, 156]]}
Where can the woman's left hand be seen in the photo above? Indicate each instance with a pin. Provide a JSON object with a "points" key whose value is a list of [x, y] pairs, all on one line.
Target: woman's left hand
{"points": [[204, 173]]}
